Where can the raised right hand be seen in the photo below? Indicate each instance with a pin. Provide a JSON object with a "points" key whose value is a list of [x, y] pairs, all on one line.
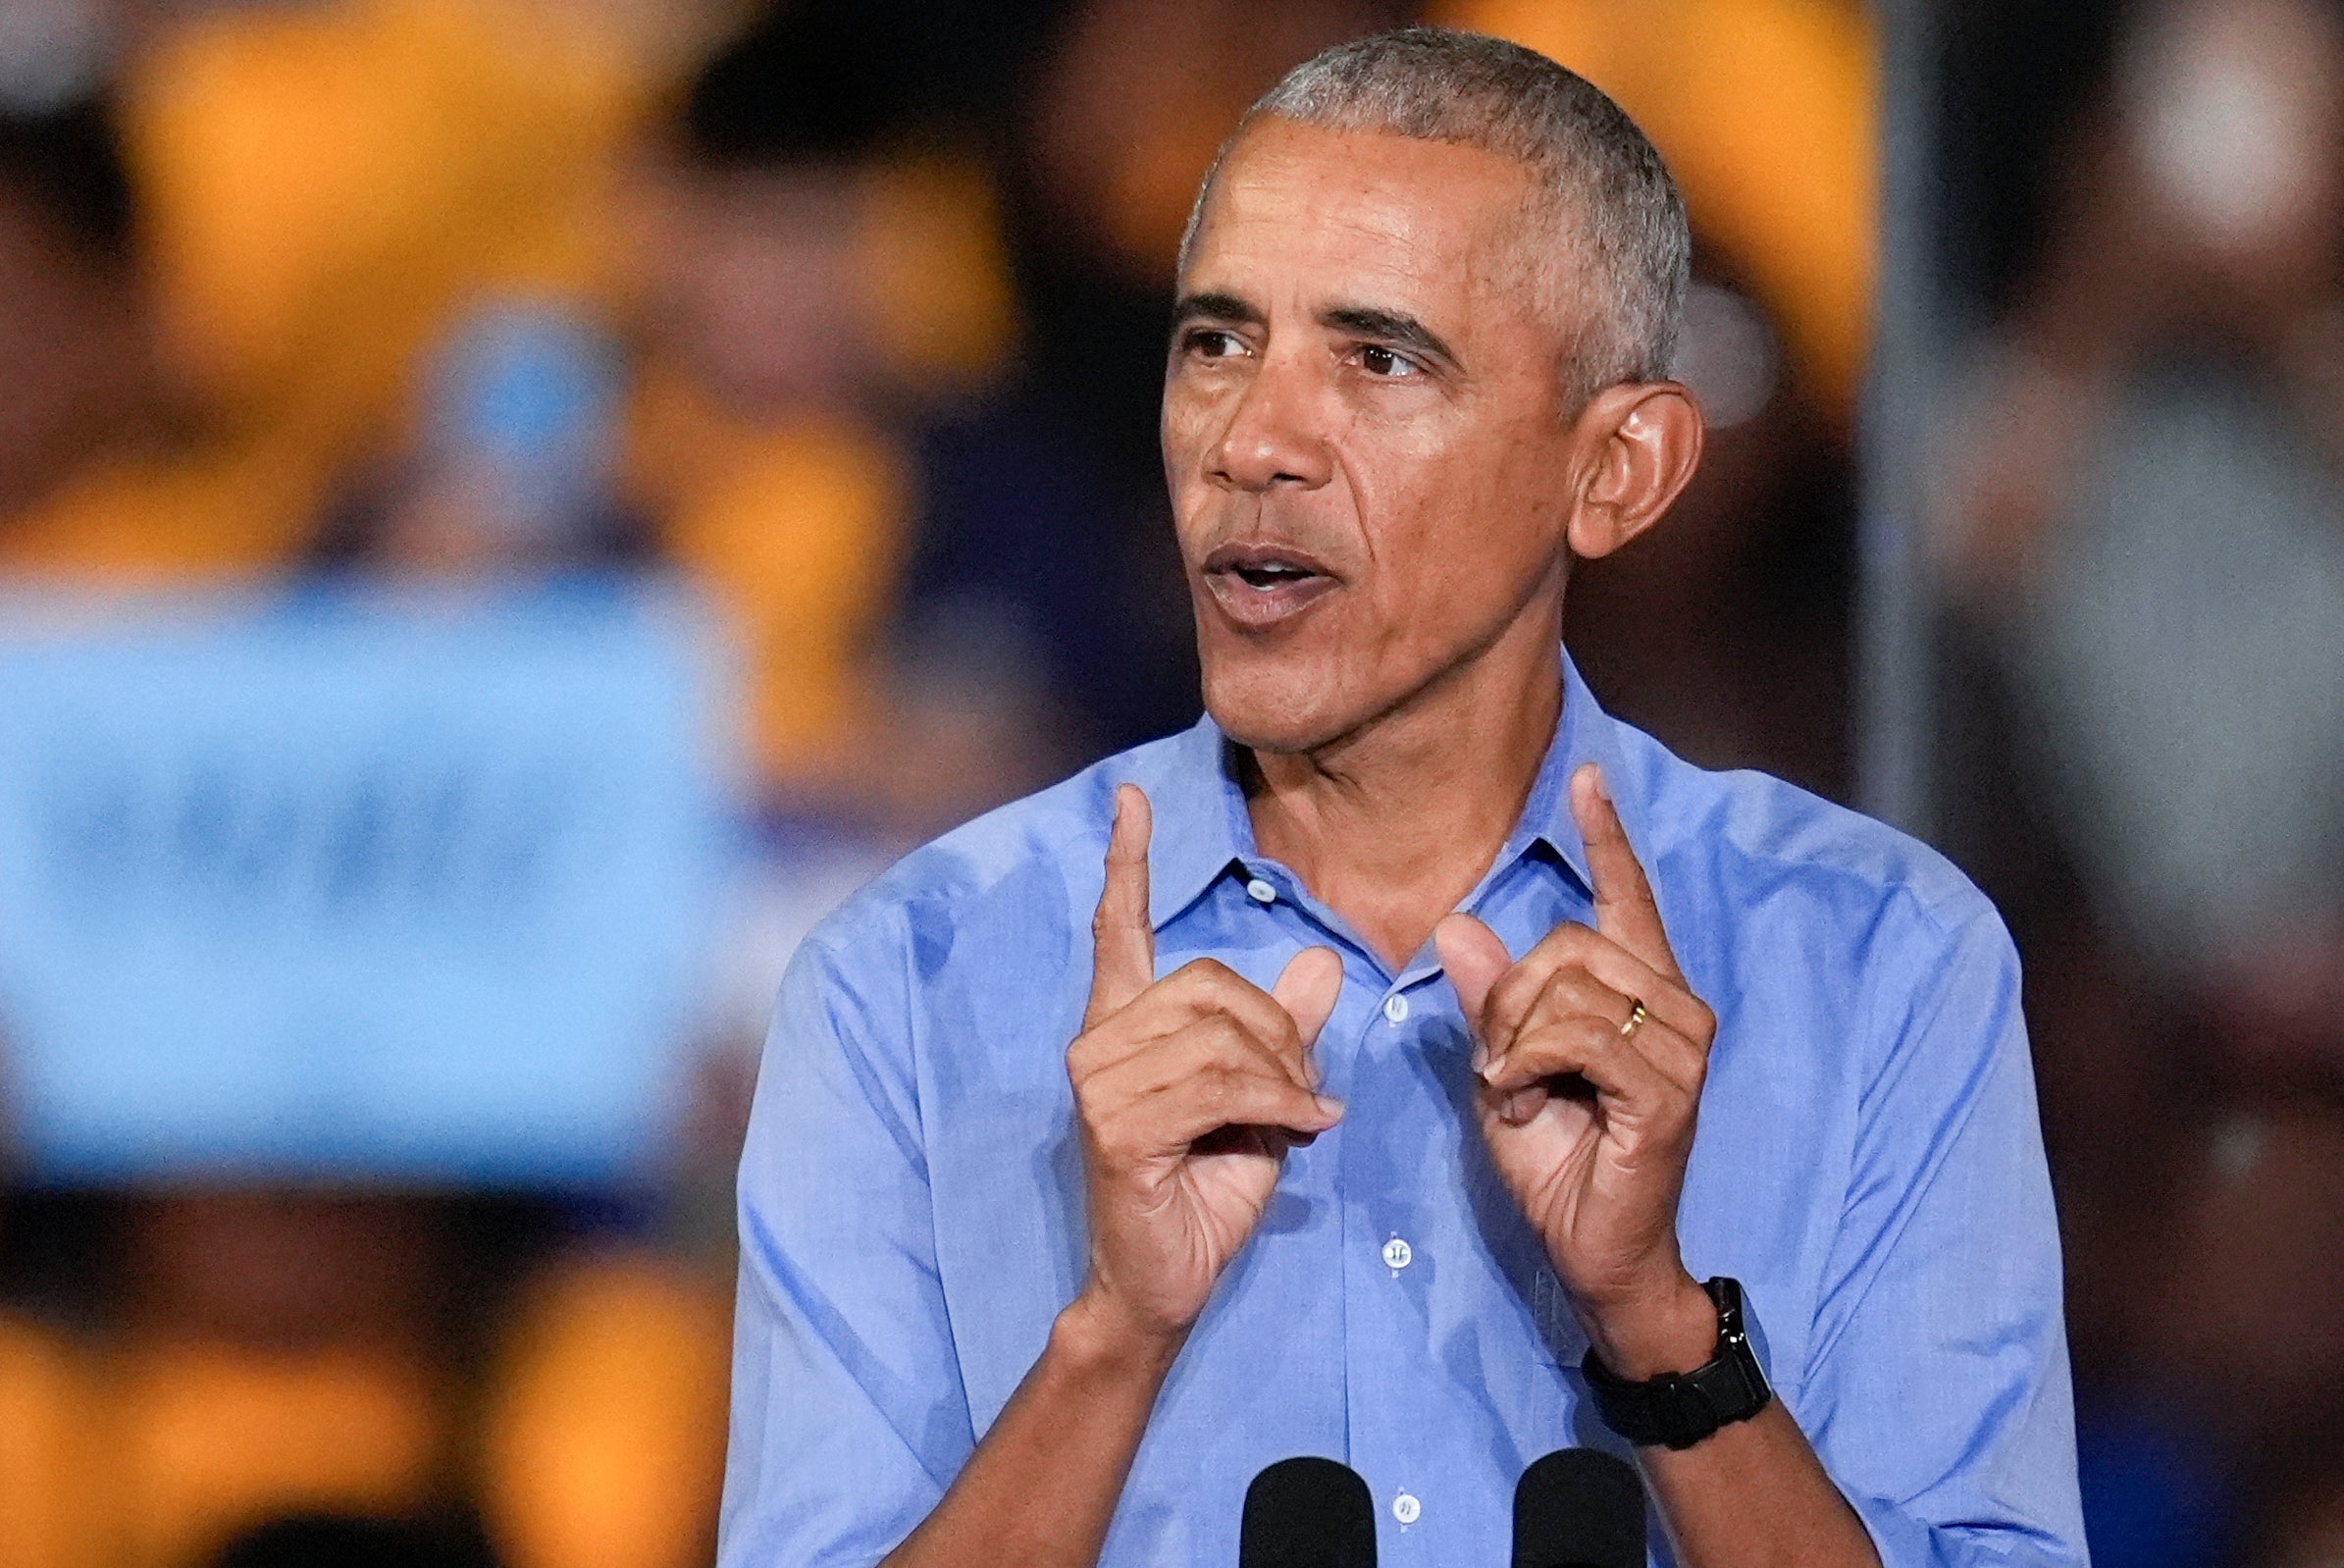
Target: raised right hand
{"points": [[1189, 1090]]}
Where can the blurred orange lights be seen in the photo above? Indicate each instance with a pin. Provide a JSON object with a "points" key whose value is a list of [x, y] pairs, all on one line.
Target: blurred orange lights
{"points": [[1766, 111]]}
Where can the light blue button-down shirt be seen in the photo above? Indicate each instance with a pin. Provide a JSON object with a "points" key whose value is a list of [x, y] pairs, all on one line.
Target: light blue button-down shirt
{"points": [[1868, 1164]]}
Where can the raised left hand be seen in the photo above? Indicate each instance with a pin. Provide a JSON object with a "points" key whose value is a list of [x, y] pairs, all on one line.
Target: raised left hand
{"points": [[1588, 1102]]}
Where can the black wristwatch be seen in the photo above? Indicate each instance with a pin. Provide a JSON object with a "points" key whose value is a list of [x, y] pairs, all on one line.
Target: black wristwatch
{"points": [[1678, 1409]]}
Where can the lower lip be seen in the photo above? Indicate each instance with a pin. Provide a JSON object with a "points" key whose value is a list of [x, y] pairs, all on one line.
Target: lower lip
{"points": [[1262, 609]]}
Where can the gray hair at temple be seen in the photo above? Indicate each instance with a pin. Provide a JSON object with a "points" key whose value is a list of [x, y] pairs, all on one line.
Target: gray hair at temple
{"points": [[1614, 213]]}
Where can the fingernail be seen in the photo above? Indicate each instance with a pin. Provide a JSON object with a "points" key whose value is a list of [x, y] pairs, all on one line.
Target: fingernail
{"points": [[1481, 1055], [1329, 1105], [1602, 786]]}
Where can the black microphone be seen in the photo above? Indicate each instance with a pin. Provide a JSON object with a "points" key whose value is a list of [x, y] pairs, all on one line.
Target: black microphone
{"points": [[1579, 1508], [1307, 1513]]}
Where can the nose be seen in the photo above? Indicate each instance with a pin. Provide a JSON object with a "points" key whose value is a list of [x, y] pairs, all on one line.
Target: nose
{"points": [[1274, 436]]}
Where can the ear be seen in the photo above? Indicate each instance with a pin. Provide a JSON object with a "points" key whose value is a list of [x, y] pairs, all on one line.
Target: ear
{"points": [[1643, 441]]}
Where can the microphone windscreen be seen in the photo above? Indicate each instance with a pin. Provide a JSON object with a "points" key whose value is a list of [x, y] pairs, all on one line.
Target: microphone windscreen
{"points": [[1307, 1513], [1579, 1508]]}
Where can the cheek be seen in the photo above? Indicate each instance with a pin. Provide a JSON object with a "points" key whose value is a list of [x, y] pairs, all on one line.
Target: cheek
{"points": [[1181, 425], [1448, 518]]}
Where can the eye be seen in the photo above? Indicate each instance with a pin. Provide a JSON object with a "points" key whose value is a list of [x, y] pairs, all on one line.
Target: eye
{"points": [[1387, 363], [1211, 342]]}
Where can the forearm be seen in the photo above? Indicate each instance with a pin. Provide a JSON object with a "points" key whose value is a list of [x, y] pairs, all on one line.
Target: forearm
{"points": [[1753, 1495], [1042, 1486]]}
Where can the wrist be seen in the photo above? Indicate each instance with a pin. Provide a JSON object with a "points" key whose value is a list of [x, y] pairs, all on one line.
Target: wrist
{"points": [[1670, 1328], [1096, 1341]]}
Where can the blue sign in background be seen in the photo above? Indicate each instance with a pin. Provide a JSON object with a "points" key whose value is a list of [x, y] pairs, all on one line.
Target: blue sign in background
{"points": [[339, 885]]}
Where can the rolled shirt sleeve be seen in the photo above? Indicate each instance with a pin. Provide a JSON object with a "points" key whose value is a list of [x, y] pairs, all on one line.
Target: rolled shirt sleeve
{"points": [[1937, 1387], [849, 1418]]}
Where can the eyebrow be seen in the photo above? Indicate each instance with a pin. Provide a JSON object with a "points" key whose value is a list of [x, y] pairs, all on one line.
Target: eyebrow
{"points": [[1217, 307], [1396, 328]]}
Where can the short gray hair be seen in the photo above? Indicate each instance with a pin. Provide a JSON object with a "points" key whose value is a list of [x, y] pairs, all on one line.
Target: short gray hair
{"points": [[1613, 198]]}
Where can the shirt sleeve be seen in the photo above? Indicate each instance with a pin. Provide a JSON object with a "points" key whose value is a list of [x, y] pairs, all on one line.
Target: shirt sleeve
{"points": [[849, 1418], [1937, 1389]]}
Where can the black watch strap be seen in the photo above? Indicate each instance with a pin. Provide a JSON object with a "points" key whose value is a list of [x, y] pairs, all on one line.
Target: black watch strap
{"points": [[1678, 1409]]}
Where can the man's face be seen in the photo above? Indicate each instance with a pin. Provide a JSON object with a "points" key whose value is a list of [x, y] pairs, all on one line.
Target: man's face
{"points": [[1365, 427]]}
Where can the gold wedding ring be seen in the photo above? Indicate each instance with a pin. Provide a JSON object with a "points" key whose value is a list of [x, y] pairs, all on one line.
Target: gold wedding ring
{"points": [[1636, 1018]]}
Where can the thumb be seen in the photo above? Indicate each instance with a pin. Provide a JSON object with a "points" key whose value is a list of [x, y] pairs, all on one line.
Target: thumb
{"points": [[1308, 988], [1474, 957]]}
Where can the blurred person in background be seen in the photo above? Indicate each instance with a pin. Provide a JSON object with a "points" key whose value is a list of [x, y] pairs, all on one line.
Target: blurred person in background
{"points": [[330, 182], [513, 478], [111, 469], [319, 187], [2145, 526], [772, 431]]}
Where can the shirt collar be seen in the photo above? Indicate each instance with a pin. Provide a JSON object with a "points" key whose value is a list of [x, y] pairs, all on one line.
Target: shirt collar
{"points": [[1202, 829]]}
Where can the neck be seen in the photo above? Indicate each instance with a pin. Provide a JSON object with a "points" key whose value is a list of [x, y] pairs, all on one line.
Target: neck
{"points": [[1394, 823]]}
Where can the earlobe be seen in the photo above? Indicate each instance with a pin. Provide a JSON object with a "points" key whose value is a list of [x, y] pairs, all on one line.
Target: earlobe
{"points": [[1643, 441]]}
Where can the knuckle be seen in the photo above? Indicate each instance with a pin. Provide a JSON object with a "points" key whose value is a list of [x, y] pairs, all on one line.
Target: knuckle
{"points": [[1095, 1116], [1209, 973], [1224, 1036], [1578, 990], [1517, 991]]}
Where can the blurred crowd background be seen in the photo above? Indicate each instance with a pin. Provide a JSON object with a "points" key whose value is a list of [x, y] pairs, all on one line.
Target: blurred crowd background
{"points": [[842, 324]]}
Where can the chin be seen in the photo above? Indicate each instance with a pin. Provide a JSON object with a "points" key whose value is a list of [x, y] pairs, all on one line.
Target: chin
{"points": [[1279, 703]]}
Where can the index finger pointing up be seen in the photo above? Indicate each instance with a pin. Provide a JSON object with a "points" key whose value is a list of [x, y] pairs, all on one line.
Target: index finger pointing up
{"points": [[1123, 942], [1625, 909]]}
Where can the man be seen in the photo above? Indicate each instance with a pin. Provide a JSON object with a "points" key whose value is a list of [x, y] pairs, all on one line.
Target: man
{"points": [[1408, 972]]}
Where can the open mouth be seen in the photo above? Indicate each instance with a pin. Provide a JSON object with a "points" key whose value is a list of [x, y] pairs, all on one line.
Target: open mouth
{"points": [[1259, 585], [1271, 574]]}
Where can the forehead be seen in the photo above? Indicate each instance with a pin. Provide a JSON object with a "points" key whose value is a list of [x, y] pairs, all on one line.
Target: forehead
{"points": [[1367, 215]]}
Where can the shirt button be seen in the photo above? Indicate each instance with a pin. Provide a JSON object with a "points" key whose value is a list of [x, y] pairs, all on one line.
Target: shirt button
{"points": [[1406, 1509], [1398, 1254], [1261, 892], [1395, 1008]]}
